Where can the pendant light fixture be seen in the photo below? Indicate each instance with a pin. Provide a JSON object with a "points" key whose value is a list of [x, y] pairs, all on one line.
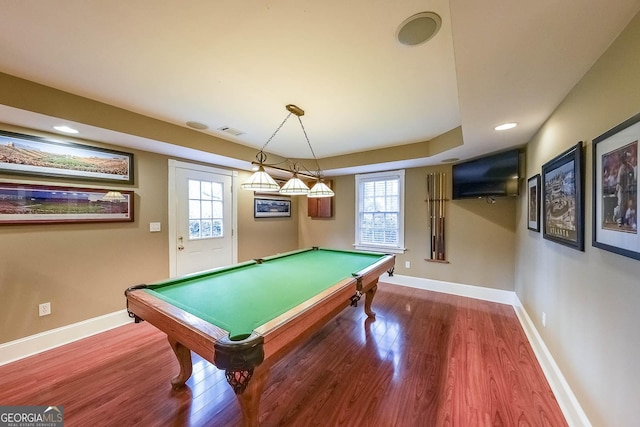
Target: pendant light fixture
{"points": [[263, 182]]}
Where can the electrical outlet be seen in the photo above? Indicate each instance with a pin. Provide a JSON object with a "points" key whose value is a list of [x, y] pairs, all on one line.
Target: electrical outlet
{"points": [[544, 319], [407, 264], [44, 309]]}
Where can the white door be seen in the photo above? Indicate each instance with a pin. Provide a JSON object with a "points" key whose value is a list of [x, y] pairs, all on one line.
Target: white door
{"points": [[201, 227]]}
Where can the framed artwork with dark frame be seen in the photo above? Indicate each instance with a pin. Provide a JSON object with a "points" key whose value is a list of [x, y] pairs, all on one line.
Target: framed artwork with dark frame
{"points": [[615, 189], [271, 208], [562, 198], [46, 204], [533, 207], [33, 155]]}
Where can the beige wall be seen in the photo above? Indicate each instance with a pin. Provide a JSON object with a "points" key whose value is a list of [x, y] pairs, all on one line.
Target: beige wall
{"points": [[83, 269], [480, 237], [260, 237], [591, 298]]}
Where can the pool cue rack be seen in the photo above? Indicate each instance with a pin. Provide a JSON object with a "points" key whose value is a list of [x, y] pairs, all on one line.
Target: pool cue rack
{"points": [[436, 207]]}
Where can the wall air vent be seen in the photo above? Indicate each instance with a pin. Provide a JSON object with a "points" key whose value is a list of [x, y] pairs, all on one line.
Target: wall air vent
{"points": [[230, 130]]}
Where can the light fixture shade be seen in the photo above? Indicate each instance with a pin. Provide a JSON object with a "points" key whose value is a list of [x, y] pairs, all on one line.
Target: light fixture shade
{"points": [[295, 187], [261, 181], [320, 190], [114, 196]]}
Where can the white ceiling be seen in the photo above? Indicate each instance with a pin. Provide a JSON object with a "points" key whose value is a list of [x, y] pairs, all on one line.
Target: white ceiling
{"points": [[238, 63]]}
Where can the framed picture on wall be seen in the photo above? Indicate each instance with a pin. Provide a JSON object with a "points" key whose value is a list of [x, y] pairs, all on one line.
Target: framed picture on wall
{"points": [[46, 204], [271, 208], [533, 203], [32, 155], [562, 199], [615, 189]]}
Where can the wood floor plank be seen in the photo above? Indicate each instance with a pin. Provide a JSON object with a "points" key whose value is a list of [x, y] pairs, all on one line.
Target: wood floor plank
{"points": [[428, 359]]}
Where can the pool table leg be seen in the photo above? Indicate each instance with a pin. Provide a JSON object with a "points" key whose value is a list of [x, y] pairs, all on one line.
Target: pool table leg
{"points": [[368, 299], [249, 399], [183, 354]]}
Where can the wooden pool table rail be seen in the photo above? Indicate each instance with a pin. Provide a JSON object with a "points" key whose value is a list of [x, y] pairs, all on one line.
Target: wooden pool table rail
{"points": [[186, 332]]}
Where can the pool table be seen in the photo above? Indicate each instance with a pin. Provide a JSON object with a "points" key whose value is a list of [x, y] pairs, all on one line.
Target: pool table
{"points": [[243, 318]]}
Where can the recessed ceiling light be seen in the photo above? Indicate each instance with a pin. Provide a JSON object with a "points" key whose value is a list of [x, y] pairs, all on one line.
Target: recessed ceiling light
{"points": [[418, 28], [65, 129], [506, 126], [197, 125]]}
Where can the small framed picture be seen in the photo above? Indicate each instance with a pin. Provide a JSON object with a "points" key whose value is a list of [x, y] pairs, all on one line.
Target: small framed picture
{"points": [[533, 206], [563, 203], [615, 189], [271, 208]]}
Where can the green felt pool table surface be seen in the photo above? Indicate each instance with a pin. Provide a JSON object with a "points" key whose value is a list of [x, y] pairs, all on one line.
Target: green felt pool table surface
{"points": [[242, 297]]}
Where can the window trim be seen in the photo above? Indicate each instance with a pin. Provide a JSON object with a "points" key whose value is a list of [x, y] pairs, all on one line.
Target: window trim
{"points": [[378, 176]]}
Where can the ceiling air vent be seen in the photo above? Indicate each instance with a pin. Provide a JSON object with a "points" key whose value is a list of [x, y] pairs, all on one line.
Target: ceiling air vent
{"points": [[232, 131]]}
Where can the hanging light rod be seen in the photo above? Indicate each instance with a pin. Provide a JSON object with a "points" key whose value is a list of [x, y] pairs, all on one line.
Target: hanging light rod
{"points": [[307, 174], [262, 181]]}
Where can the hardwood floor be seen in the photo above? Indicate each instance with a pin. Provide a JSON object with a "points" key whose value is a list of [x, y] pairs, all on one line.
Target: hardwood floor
{"points": [[428, 359]]}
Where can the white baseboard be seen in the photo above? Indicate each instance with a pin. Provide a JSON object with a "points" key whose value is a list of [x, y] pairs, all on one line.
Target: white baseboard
{"points": [[571, 409], [568, 402], [28, 346], [477, 292]]}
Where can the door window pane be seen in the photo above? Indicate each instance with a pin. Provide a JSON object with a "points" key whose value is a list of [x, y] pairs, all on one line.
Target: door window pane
{"points": [[205, 190], [216, 210], [206, 207], [205, 229], [216, 228], [194, 229], [194, 209], [194, 189], [216, 190]]}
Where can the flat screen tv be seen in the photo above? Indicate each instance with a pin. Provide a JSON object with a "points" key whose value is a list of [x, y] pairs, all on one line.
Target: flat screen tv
{"points": [[495, 175]]}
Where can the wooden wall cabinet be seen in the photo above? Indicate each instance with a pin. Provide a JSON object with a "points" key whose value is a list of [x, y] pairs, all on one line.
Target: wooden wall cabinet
{"points": [[321, 207]]}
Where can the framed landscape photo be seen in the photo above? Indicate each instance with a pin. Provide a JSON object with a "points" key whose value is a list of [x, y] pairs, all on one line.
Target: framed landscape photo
{"points": [[562, 199], [271, 208], [32, 155], [615, 189], [45, 204], [533, 206]]}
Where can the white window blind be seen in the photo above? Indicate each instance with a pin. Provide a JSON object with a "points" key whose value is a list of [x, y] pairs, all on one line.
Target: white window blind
{"points": [[380, 211]]}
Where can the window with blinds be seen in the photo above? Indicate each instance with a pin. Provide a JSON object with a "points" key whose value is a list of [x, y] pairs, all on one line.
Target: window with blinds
{"points": [[380, 211]]}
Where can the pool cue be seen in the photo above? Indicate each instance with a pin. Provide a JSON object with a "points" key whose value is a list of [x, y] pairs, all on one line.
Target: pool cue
{"points": [[429, 207], [434, 221], [441, 254], [437, 191], [434, 230], [437, 254]]}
